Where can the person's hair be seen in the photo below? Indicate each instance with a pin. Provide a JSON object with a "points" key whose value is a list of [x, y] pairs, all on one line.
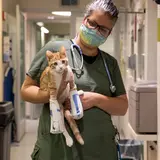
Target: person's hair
{"points": [[104, 5]]}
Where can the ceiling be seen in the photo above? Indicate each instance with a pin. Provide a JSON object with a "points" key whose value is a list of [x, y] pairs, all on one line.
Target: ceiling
{"points": [[41, 10], [58, 28]]}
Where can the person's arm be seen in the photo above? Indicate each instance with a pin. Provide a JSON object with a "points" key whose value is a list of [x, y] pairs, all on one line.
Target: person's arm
{"points": [[115, 105], [112, 105], [30, 92]]}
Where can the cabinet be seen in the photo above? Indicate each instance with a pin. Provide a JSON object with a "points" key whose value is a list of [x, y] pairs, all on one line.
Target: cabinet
{"points": [[152, 151]]}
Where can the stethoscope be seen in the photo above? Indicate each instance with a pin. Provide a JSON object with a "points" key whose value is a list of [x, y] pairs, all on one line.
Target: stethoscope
{"points": [[80, 67], [75, 46]]}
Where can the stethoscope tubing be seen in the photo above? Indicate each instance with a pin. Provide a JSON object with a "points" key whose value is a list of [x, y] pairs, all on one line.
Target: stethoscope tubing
{"points": [[80, 67]]}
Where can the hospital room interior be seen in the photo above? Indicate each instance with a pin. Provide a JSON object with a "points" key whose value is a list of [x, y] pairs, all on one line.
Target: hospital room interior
{"points": [[27, 25]]}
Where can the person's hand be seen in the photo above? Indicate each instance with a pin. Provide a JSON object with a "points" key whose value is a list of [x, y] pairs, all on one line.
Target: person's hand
{"points": [[88, 100]]}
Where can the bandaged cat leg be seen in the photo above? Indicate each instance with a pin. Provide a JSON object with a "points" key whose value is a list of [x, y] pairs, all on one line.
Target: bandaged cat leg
{"points": [[74, 127], [76, 105], [56, 117]]}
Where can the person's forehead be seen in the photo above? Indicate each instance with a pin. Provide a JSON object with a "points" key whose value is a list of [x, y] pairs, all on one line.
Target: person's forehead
{"points": [[102, 18]]}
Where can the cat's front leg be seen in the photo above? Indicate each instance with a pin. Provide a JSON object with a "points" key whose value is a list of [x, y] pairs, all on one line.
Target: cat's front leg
{"points": [[76, 105], [69, 140], [55, 114], [56, 117]]}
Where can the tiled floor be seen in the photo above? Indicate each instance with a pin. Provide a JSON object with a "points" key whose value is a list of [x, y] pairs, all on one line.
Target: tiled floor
{"points": [[23, 150]]}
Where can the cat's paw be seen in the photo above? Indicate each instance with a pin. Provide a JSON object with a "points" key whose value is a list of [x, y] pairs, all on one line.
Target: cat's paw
{"points": [[69, 141], [55, 126], [80, 92]]}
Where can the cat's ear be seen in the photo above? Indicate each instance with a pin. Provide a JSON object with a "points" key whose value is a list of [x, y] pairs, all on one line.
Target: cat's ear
{"points": [[63, 51], [49, 55]]}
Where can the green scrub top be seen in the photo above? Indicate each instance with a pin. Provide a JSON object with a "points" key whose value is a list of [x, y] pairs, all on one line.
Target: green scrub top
{"points": [[96, 126]]}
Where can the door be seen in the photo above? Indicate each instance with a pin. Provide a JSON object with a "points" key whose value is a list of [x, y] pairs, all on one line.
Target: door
{"points": [[141, 55], [1, 65], [20, 74]]}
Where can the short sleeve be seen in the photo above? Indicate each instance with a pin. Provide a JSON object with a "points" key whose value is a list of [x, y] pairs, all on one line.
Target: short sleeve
{"points": [[118, 81], [39, 62]]}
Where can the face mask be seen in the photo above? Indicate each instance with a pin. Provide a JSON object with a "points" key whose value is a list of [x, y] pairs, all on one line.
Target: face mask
{"points": [[90, 37]]}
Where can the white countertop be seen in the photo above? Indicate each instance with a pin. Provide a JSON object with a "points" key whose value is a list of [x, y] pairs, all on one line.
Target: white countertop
{"points": [[142, 137]]}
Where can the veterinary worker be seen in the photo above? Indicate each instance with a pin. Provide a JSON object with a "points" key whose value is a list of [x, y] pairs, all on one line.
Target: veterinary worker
{"points": [[104, 93]]}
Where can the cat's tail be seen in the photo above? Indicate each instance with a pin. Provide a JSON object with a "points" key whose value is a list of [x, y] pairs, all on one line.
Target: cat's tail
{"points": [[74, 127]]}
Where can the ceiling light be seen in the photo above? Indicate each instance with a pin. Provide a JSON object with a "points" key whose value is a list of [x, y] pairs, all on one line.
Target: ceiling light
{"points": [[62, 13], [44, 30], [50, 17], [40, 24]]}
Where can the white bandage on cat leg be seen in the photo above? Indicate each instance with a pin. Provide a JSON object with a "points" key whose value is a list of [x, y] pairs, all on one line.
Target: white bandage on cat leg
{"points": [[76, 105], [80, 92], [56, 116]]}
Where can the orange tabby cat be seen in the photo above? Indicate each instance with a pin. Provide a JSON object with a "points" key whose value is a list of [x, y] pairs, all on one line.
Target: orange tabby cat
{"points": [[58, 80]]}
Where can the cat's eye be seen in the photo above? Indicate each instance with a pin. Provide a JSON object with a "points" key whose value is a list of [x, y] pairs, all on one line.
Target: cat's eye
{"points": [[55, 63], [63, 61]]}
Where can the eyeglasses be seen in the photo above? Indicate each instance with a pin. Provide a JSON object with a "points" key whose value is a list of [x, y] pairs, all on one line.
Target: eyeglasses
{"points": [[93, 25]]}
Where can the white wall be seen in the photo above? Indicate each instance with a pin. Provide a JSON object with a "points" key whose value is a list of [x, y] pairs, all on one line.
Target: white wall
{"points": [[32, 110], [158, 80], [75, 21], [31, 43], [30, 53], [151, 41], [78, 23], [58, 28], [1, 66], [12, 30], [108, 45], [9, 6], [43, 40]]}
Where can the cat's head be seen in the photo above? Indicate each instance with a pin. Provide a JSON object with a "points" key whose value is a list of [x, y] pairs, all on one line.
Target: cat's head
{"points": [[58, 61]]}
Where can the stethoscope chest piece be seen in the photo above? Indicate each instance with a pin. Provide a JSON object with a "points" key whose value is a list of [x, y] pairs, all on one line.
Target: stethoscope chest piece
{"points": [[113, 88]]}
